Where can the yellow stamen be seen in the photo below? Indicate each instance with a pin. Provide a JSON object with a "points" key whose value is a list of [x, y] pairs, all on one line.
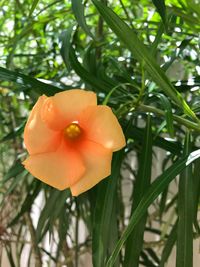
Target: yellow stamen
{"points": [[72, 131]]}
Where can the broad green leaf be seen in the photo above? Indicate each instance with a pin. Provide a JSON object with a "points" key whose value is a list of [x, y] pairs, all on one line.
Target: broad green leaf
{"points": [[135, 241], [152, 193], [184, 250], [141, 53]]}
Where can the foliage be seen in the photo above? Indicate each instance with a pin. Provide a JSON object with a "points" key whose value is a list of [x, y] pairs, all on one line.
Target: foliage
{"points": [[141, 59]]}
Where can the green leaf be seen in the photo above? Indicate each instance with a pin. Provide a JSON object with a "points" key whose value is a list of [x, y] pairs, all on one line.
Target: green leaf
{"points": [[152, 193], [78, 9], [176, 53], [16, 169], [146, 261], [196, 187], [15, 182], [141, 53], [34, 4], [168, 112], [17, 131], [157, 40], [163, 201], [171, 239], [33, 190], [184, 254], [27, 83], [96, 83], [135, 241], [114, 231], [106, 198], [50, 211], [194, 6], [161, 8], [173, 147], [66, 43]]}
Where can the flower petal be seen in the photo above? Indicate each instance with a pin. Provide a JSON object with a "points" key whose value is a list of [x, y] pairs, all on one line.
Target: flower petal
{"points": [[38, 138], [59, 169], [97, 160], [102, 126], [63, 108], [51, 116]]}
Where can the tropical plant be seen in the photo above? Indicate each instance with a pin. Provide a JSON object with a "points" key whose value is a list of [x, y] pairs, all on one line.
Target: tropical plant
{"points": [[142, 59]]}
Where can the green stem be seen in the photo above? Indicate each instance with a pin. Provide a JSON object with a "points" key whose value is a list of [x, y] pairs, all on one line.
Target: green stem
{"points": [[183, 121]]}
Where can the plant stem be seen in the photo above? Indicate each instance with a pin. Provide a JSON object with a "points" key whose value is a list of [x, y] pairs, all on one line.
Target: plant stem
{"points": [[183, 121]]}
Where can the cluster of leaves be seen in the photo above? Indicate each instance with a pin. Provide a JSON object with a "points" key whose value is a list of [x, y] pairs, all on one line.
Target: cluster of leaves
{"points": [[142, 60]]}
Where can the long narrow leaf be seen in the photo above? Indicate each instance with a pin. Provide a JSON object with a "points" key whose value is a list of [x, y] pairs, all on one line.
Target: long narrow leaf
{"points": [[141, 53], [184, 256], [103, 213], [66, 43], [196, 187], [135, 241], [169, 245], [152, 193], [78, 9], [27, 83], [34, 4], [173, 147], [160, 6], [168, 112], [85, 75]]}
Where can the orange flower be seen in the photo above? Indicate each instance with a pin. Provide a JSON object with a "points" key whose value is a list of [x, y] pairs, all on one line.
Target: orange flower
{"points": [[71, 140]]}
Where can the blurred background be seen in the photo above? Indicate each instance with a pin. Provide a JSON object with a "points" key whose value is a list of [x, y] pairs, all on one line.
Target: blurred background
{"points": [[50, 46]]}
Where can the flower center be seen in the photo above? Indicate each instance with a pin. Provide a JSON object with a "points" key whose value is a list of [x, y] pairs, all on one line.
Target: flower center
{"points": [[72, 131]]}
